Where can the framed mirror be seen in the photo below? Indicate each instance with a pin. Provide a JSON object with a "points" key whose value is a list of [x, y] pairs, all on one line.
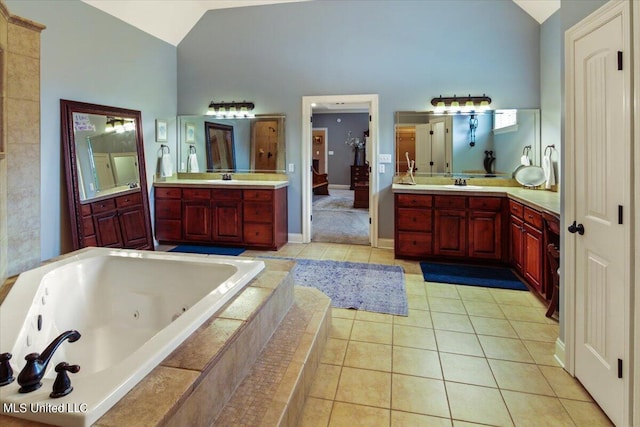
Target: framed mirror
{"points": [[485, 144], [255, 144], [106, 181]]}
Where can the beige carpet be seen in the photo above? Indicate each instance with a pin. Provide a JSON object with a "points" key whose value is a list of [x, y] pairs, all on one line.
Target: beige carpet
{"points": [[336, 221]]}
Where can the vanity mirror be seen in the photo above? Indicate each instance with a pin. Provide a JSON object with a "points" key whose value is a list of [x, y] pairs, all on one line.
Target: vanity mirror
{"points": [[485, 144], [213, 144], [106, 181]]}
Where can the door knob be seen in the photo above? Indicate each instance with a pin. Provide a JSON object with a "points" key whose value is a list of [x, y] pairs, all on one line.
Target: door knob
{"points": [[579, 228]]}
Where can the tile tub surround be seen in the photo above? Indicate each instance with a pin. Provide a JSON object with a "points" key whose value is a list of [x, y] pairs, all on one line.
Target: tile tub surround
{"points": [[191, 386]]}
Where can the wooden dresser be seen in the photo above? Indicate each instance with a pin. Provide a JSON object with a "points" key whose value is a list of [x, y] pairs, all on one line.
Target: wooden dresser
{"points": [[359, 174]]}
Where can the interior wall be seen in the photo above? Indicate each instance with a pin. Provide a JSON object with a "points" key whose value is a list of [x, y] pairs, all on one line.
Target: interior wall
{"points": [[283, 52], [90, 56]]}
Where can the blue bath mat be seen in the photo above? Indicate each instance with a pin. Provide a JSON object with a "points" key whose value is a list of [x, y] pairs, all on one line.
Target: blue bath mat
{"points": [[369, 287], [209, 250], [488, 277]]}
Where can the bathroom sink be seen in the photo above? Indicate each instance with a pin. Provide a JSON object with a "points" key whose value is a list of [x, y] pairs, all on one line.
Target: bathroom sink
{"points": [[463, 187]]}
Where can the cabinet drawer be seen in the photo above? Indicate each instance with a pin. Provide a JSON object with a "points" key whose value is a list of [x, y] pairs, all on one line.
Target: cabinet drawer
{"points": [[85, 210], [168, 193], [450, 202], [414, 244], [485, 203], [411, 219], [103, 206], [168, 229], [258, 212], [168, 209], [258, 195], [226, 194], [515, 208], [196, 193], [532, 217], [129, 200], [258, 234], [413, 200]]}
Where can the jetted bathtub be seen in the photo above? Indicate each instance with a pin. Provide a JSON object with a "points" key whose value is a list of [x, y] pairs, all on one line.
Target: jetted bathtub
{"points": [[132, 309]]}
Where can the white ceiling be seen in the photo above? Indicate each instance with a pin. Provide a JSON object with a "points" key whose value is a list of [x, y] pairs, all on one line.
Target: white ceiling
{"points": [[171, 20]]}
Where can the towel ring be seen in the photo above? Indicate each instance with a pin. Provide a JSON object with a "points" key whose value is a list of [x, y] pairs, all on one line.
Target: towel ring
{"points": [[162, 147], [526, 150], [549, 148], [192, 149]]}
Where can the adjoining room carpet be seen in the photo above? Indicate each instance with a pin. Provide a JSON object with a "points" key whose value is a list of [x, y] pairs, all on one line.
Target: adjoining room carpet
{"points": [[335, 219], [488, 277], [209, 250], [369, 287]]}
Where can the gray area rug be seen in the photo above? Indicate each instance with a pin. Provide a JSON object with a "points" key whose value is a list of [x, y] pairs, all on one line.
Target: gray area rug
{"points": [[369, 287], [335, 219]]}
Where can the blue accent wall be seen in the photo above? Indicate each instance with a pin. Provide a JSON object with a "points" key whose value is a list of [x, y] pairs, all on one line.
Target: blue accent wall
{"points": [[405, 51]]}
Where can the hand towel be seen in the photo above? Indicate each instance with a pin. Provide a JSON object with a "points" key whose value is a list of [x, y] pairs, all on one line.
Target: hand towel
{"points": [[549, 173], [192, 163], [166, 167], [525, 161]]}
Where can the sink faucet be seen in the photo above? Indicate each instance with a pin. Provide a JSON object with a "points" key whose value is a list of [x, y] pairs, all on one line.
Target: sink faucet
{"points": [[461, 181], [31, 375]]}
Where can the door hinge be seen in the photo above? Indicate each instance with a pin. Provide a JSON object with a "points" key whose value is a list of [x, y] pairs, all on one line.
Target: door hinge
{"points": [[369, 117], [619, 60], [430, 163], [311, 119], [430, 132], [620, 214], [311, 219], [619, 368], [369, 220]]}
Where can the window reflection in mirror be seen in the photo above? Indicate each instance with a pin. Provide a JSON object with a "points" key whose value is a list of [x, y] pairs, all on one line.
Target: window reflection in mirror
{"points": [[467, 143], [258, 144], [106, 154]]}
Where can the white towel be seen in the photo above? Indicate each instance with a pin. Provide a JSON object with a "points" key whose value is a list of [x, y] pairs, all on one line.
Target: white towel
{"points": [[525, 161], [549, 172], [166, 167], [192, 163]]}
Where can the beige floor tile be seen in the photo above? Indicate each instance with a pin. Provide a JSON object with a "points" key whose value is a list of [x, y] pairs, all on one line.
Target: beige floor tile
{"points": [[467, 369], [516, 376], [325, 382], [417, 302], [358, 254], [415, 287], [446, 305], [526, 314], [417, 362], [564, 385], [374, 317], [458, 342], [483, 308], [477, 404], [364, 387], [368, 355], [442, 290], [316, 413], [510, 297], [542, 352], [535, 331], [377, 332], [419, 395], [532, 410], [336, 253], [409, 267], [313, 251], [451, 322], [494, 327], [341, 328], [420, 318], [407, 419], [475, 293], [343, 313], [411, 336], [349, 415], [458, 423], [586, 413], [334, 351], [505, 349]]}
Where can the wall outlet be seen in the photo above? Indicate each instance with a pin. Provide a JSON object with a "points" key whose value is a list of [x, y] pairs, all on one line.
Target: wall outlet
{"points": [[292, 167], [384, 158], [381, 169], [330, 153]]}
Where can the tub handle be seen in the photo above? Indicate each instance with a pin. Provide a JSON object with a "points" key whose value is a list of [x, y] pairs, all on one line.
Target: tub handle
{"points": [[6, 373], [62, 385]]}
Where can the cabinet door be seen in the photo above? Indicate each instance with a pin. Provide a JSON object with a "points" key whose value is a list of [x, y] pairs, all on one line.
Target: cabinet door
{"points": [[450, 233], [516, 237], [485, 236], [196, 220], [533, 256], [227, 221], [132, 226], [107, 229]]}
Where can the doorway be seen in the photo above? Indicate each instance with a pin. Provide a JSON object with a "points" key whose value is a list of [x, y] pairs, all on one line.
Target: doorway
{"points": [[367, 103]]}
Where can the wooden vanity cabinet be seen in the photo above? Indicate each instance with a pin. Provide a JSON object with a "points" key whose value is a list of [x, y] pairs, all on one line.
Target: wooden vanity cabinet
{"points": [[413, 225], [526, 243], [226, 215], [168, 213], [450, 220], [196, 214]]}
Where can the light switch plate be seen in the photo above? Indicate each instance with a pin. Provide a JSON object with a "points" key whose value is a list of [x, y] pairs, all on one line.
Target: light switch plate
{"points": [[330, 153], [384, 158], [292, 167], [381, 168]]}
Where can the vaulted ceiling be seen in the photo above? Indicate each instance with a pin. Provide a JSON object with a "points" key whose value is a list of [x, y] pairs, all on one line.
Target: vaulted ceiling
{"points": [[171, 20]]}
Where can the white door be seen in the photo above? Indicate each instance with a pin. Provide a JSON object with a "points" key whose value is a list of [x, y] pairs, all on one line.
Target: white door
{"points": [[602, 179], [423, 148], [439, 145]]}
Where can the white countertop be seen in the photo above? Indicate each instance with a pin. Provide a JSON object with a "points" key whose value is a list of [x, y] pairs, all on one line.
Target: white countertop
{"points": [[219, 183], [543, 200]]}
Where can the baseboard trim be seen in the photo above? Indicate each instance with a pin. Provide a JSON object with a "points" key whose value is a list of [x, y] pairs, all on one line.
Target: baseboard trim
{"points": [[560, 352], [385, 243], [339, 187], [295, 238]]}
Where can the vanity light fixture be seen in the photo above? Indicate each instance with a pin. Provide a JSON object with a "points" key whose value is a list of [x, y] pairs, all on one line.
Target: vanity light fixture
{"points": [[454, 103], [233, 109], [118, 125]]}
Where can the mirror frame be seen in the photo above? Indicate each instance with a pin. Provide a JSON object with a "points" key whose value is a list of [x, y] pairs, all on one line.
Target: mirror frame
{"points": [[229, 145], [67, 109]]}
